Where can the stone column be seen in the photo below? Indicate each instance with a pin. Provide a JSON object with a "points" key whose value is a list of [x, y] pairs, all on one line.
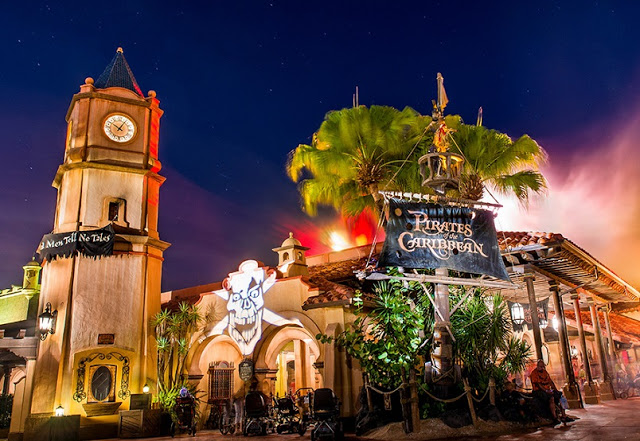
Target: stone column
{"points": [[590, 389], [535, 322], [570, 389], [606, 391]]}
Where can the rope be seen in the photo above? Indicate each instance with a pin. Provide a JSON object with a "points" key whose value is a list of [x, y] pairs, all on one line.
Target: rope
{"points": [[442, 400], [388, 392], [483, 397]]}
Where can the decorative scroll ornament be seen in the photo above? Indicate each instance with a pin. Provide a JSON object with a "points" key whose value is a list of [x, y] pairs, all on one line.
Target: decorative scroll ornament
{"points": [[123, 393], [244, 292]]}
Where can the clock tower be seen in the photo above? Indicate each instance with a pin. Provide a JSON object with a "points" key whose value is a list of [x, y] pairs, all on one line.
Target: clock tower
{"points": [[101, 349]]}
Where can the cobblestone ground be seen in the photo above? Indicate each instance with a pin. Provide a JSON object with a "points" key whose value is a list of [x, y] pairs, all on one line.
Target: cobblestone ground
{"points": [[612, 421]]}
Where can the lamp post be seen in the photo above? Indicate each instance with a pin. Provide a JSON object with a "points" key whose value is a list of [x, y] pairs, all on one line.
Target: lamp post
{"points": [[47, 322]]}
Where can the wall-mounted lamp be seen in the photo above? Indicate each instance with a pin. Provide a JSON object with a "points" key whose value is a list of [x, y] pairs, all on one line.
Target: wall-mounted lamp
{"points": [[145, 389], [47, 322], [59, 411], [543, 323], [574, 351], [517, 314]]}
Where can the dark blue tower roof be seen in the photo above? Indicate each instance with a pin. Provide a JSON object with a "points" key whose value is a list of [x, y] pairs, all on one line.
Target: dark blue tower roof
{"points": [[118, 74]]}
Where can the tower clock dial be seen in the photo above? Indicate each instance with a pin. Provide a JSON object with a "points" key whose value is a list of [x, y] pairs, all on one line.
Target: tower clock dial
{"points": [[119, 128]]}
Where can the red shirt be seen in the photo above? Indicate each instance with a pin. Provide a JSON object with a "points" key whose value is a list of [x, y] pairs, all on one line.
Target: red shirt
{"points": [[541, 380]]}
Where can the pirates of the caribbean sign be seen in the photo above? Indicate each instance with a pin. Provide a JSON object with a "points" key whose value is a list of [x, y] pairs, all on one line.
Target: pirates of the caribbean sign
{"points": [[420, 235], [91, 243]]}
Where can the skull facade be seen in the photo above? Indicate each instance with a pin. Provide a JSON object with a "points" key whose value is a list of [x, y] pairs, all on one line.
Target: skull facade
{"points": [[246, 288]]}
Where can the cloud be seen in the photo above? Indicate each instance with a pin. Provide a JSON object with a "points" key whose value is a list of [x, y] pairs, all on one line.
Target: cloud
{"points": [[593, 199]]}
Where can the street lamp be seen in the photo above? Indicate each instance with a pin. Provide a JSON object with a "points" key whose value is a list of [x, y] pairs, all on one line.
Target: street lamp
{"points": [[517, 314], [47, 322]]}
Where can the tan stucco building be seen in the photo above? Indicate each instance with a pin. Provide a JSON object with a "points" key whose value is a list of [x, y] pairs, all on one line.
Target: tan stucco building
{"points": [[271, 316]]}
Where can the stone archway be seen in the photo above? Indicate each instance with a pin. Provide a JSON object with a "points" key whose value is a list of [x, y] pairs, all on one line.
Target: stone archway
{"points": [[289, 355]]}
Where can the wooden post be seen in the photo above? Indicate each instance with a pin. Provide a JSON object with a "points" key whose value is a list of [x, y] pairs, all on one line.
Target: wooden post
{"points": [[571, 389], [472, 409], [535, 322], [590, 390], [492, 391], [611, 345], [415, 405], [606, 388], [368, 392], [404, 400]]}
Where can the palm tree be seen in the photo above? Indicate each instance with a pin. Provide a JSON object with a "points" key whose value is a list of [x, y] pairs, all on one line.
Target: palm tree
{"points": [[355, 153], [493, 159]]}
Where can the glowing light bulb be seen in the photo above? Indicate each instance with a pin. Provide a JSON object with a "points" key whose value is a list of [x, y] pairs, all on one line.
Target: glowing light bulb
{"points": [[145, 389]]}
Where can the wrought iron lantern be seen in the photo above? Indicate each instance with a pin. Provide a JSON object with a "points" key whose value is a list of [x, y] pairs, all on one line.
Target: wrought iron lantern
{"points": [[444, 170], [59, 411], [47, 322], [517, 314]]}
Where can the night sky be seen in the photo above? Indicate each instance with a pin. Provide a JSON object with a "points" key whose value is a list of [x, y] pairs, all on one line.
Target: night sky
{"points": [[243, 83]]}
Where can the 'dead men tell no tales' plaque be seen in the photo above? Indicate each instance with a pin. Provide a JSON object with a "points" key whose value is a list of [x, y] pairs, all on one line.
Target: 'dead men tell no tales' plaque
{"points": [[420, 235]]}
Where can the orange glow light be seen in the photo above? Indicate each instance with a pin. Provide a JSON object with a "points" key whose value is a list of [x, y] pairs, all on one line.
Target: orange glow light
{"points": [[337, 241]]}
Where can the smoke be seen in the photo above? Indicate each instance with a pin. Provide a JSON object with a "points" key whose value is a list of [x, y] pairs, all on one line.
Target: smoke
{"points": [[593, 199]]}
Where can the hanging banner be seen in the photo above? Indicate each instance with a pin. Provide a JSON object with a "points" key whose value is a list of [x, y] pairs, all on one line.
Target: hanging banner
{"points": [[420, 235], [542, 309], [91, 243]]}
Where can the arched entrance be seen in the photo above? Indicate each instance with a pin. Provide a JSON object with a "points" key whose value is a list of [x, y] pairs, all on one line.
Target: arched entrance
{"points": [[292, 354]]}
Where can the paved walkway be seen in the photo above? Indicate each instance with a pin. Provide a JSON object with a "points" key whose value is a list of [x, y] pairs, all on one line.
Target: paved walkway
{"points": [[612, 421]]}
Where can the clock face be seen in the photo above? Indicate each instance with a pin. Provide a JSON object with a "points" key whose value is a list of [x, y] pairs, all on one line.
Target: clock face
{"points": [[119, 128]]}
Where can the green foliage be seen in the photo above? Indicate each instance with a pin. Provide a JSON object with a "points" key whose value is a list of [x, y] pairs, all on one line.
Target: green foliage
{"points": [[484, 343], [395, 335], [356, 152], [6, 407], [391, 337], [167, 399], [173, 333], [510, 167]]}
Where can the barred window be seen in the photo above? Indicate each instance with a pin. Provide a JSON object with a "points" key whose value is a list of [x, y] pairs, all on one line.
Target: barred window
{"points": [[221, 380]]}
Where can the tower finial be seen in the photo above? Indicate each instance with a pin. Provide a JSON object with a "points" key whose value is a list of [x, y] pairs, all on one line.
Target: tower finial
{"points": [[120, 50]]}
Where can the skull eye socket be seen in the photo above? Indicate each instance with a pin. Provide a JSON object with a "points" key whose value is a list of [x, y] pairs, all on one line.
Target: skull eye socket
{"points": [[254, 293], [235, 297]]}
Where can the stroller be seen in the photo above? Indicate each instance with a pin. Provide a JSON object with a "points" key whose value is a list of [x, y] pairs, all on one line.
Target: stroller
{"points": [[326, 414], [287, 417], [256, 414], [185, 409]]}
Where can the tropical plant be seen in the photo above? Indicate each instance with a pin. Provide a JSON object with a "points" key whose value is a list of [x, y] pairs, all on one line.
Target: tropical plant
{"points": [[173, 333], [484, 344], [493, 159], [389, 339], [355, 153]]}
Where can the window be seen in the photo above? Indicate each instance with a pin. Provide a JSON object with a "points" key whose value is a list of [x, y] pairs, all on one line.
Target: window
{"points": [[114, 211], [102, 383], [221, 381]]}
